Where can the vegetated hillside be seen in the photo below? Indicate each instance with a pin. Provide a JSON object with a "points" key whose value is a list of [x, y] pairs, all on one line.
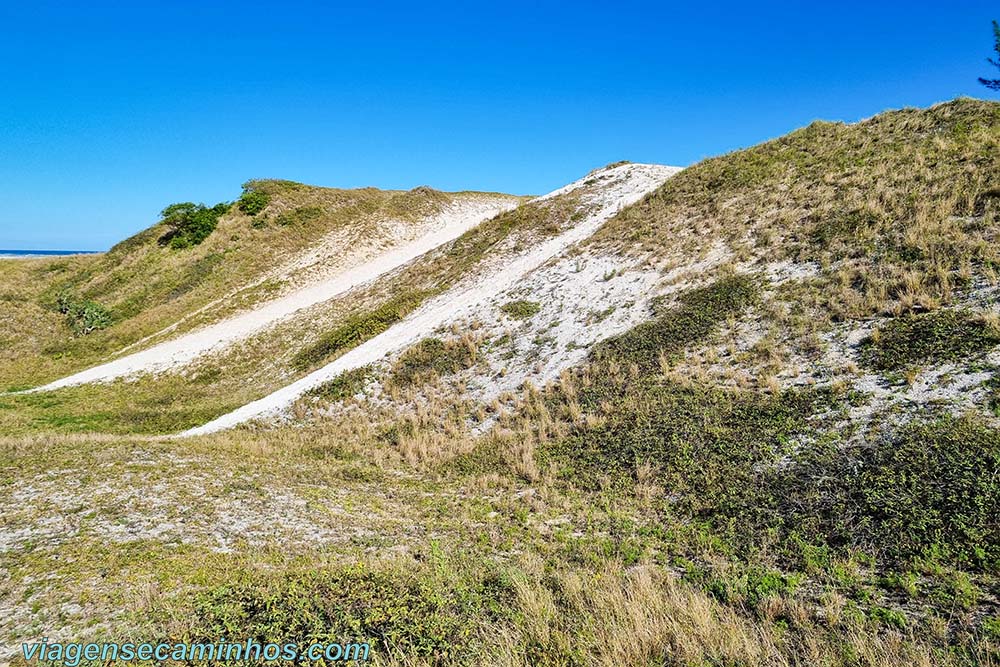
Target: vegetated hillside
{"points": [[805, 427], [751, 421], [275, 237], [188, 395]]}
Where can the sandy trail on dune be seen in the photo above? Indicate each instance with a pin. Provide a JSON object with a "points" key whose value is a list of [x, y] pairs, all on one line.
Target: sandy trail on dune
{"points": [[618, 187], [453, 221]]}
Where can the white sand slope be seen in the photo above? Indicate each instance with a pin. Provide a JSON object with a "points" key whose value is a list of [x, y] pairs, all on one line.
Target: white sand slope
{"points": [[611, 189], [453, 221]]}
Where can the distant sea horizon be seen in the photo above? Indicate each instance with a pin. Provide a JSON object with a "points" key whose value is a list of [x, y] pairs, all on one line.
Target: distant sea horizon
{"points": [[44, 253]]}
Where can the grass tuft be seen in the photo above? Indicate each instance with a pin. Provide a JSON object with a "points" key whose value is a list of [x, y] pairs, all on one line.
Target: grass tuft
{"points": [[943, 335]]}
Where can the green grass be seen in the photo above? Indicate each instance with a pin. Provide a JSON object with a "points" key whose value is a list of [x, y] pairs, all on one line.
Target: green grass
{"points": [[521, 309], [396, 612], [905, 194], [163, 405], [358, 328], [345, 385], [699, 313], [944, 335], [432, 357]]}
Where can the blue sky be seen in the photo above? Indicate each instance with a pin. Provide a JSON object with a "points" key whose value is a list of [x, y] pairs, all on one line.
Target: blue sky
{"points": [[110, 111]]}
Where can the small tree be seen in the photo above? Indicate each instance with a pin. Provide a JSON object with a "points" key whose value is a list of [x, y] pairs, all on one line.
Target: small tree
{"points": [[190, 223], [253, 201], [993, 84]]}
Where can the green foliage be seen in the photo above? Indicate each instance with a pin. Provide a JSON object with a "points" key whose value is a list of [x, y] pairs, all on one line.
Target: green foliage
{"points": [[432, 356], [299, 216], [928, 337], [991, 628], [345, 385], [83, 315], [706, 444], [699, 313], [397, 614], [189, 224], [253, 201], [358, 328], [521, 310], [933, 488], [761, 584], [889, 617], [993, 386]]}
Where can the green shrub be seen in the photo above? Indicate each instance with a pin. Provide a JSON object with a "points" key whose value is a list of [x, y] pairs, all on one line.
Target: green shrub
{"points": [[928, 337], [432, 356], [253, 201], [345, 385], [359, 328], [520, 310], [762, 584], [706, 444], [931, 488], [700, 311], [993, 387], [189, 224], [397, 614], [83, 315], [299, 216], [889, 617]]}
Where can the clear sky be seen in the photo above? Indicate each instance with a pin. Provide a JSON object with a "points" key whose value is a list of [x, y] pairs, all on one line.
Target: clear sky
{"points": [[110, 111]]}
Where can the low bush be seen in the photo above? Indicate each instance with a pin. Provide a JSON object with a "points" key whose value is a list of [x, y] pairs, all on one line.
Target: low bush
{"points": [[359, 328], [520, 310], [189, 224], [397, 614], [252, 201], [930, 489], [83, 315], [928, 337], [345, 385], [697, 316], [432, 356]]}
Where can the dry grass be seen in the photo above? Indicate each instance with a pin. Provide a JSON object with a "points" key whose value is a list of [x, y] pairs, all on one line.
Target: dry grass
{"points": [[517, 556], [898, 210], [150, 288]]}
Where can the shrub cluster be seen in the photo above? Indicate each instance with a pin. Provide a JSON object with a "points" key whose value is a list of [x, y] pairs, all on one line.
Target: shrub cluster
{"points": [[189, 224], [700, 311], [521, 310], [433, 356], [83, 315], [413, 615], [929, 337], [345, 385], [253, 201], [359, 328]]}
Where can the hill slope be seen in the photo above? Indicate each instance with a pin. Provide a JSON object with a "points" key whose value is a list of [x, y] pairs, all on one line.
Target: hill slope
{"points": [[303, 236], [752, 418]]}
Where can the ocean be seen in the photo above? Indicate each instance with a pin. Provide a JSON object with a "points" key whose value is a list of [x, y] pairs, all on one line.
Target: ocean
{"points": [[43, 253]]}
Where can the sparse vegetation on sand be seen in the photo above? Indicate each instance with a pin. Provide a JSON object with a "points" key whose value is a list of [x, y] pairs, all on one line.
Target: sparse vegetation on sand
{"points": [[520, 309], [773, 438]]}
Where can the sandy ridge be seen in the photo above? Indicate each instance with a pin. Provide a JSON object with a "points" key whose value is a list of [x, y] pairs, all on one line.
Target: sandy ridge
{"points": [[451, 222], [615, 187]]}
